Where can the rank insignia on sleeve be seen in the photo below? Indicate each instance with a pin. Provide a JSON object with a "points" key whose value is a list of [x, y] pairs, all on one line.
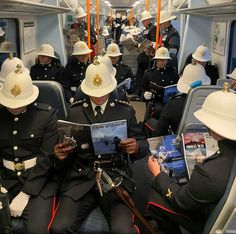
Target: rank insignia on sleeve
{"points": [[169, 193]]}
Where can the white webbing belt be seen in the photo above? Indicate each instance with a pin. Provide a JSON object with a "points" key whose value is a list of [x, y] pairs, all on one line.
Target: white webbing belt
{"points": [[24, 165]]}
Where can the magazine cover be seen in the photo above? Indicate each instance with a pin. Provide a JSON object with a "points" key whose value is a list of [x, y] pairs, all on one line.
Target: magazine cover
{"points": [[168, 150], [104, 136], [198, 146], [169, 91], [78, 132], [166, 91]]}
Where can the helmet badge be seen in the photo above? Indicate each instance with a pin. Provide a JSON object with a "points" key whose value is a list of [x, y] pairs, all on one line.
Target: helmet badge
{"points": [[97, 80], [16, 90]]}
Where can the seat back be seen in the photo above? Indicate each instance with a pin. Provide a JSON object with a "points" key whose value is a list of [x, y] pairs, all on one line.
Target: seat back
{"points": [[220, 82], [52, 93], [223, 218], [194, 101]]}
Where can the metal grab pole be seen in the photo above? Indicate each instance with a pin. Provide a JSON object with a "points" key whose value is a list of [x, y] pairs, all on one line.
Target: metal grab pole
{"points": [[98, 26], [158, 22]]}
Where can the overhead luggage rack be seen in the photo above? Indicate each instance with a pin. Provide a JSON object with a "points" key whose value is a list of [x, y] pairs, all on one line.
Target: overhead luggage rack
{"points": [[224, 9], [30, 8]]}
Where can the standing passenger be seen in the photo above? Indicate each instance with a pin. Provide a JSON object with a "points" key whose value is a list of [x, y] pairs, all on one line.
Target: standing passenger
{"points": [[28, 135], [82, 27]]}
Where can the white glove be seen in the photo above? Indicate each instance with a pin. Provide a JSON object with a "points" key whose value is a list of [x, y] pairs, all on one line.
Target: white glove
{"points": [[148, 95], [127, 85], [1, 206], [71, 100], [18, 204]]}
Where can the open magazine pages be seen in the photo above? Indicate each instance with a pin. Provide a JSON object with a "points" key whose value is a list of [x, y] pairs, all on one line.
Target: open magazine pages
{"points": [[100, 138], [197, 146], [79, 132], [168, 150]]}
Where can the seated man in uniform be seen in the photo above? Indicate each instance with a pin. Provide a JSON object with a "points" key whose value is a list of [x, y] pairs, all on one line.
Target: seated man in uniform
{"points": [[172, 111], [47, 66], [163, 74], [79, 194], [28, 135], [73, 73], [122, 71], [190, 205]]}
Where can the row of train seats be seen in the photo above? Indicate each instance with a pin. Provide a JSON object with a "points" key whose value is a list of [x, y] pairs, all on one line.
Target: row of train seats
{"points": [[223, 217]]}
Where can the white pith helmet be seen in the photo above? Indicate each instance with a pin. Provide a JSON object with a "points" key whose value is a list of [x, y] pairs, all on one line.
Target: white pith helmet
{"points": [[118, 16], [113, 50], [18, 89], [192, 73], [9, 65], [80, 48], [98, 80], [218, 114], [79, 12], [6, 47], [146, 15], [46, 50], [1, 32], [107, 61], [105, 33], [202, 54], [233, 74], [165, 16], [162, 53]]}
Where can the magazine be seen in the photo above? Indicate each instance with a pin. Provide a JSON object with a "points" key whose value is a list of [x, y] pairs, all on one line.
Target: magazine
{"points": [[102, 138], [80, 133], [197, 146], [166, 91], [168, 150], [144, 44], [105, 136]]}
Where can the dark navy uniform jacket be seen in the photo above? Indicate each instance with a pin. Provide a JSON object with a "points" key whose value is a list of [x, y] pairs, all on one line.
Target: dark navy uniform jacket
{"points": [[25, 136], [46, 71], [150, 32], [81, 178], [123, 72], [205, 187], [160, 76], [72, 76], [171, 115], [170, 38]]}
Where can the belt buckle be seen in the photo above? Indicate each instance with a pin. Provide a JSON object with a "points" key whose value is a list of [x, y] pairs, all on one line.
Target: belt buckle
{"points": [[19, 166], [96, 165]]}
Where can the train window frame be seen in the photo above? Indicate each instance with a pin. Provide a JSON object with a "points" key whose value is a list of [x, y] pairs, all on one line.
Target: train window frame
{"points": [[232, 47], [11, 27]]}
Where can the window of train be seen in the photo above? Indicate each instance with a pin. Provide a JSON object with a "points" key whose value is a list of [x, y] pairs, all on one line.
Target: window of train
{"points": [[232, 48], [9, 38]]}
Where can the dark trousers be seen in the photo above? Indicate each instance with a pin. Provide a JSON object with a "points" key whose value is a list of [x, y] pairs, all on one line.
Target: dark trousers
{"points": [[168, 219], [71, 214]]}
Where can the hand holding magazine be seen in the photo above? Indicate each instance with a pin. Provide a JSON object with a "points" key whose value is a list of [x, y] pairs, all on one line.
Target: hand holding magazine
{"points": [[99, 138]]}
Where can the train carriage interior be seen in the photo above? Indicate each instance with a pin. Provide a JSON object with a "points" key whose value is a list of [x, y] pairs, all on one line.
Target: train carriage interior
{"points": [[25, 25]]}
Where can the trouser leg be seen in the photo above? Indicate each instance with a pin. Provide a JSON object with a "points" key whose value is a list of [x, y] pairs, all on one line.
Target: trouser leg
{"points": [[71, 214]]}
